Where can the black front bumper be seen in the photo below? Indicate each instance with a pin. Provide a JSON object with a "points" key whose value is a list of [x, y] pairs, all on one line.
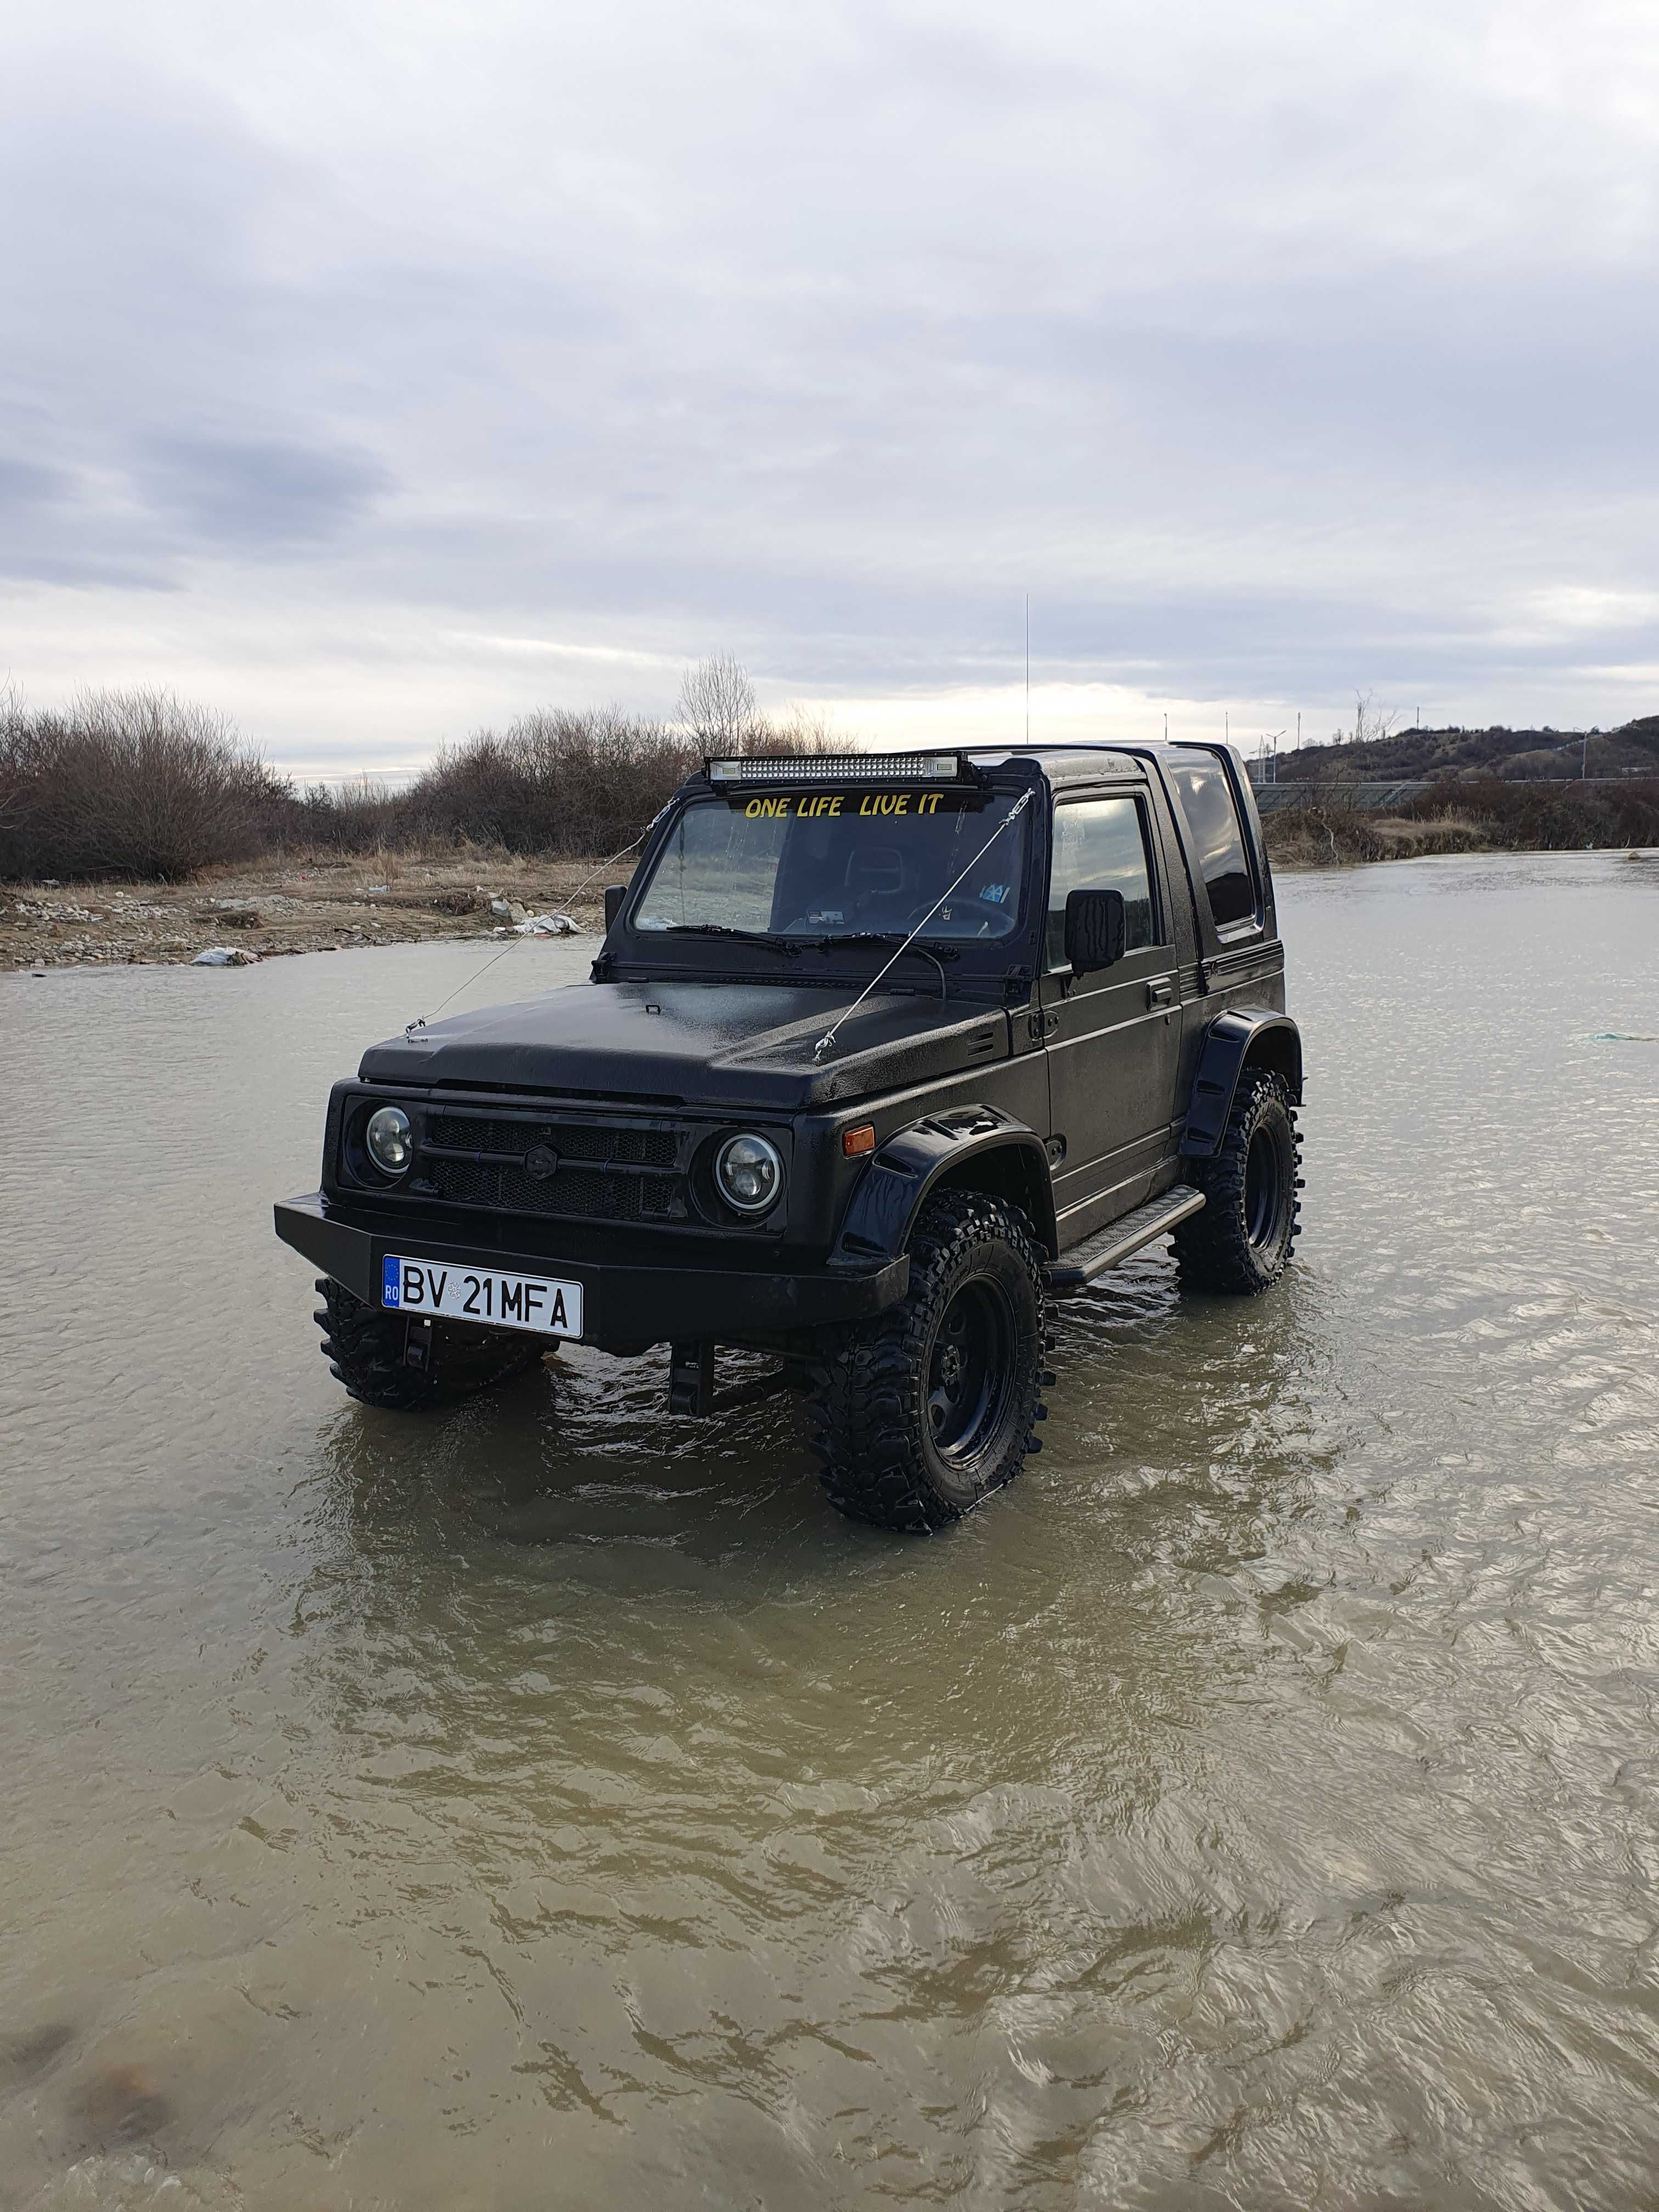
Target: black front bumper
{"points": [[620, 1303]]}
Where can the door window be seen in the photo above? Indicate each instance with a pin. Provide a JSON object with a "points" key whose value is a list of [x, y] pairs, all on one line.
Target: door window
{"points": [[1100, 845], [1207, 795]]}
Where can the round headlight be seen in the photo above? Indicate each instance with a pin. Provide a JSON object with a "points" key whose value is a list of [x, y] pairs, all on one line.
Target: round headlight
{"points": [[750, 1173], [388, 1139]]}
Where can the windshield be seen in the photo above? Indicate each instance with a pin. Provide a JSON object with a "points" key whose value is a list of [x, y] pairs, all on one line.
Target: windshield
{"points": [[823, 865]]}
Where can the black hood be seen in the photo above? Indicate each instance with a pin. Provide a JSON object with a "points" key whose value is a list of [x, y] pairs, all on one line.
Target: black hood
{"points": [[716, 1044]]}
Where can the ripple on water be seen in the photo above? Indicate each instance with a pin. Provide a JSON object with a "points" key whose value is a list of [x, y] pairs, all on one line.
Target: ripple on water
{"points": [[1256, 1804]]}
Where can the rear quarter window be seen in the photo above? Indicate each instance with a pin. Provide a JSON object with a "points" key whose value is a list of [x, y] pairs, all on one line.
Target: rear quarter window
{"points": [[1207, 796]]}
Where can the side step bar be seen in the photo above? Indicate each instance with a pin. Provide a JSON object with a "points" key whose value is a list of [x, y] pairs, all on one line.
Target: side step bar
{"points": [[1076, 1269]]}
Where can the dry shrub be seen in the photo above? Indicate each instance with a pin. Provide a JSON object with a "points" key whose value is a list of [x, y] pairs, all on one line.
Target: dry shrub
{"points": [[1564, 817], [1330, 836], [129, 783], [360, 817], [138, 784], [1467, 818], [561, 782]]}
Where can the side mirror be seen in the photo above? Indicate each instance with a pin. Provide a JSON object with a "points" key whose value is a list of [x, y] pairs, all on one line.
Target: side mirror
{"points": [[1094, 929], [614, 895]]}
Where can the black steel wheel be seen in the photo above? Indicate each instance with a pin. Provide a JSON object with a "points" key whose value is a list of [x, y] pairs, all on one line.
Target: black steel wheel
{"points": [[1244, 1239], [925, 1410], [404, 1365], [970, 1370]]}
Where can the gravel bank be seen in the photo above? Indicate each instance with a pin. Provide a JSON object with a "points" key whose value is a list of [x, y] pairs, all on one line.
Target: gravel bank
{"points": [[308, 904]]}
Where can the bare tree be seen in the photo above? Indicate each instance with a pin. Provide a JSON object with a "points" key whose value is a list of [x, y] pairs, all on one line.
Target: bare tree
{"points": [[801, 729], [1372, 723], [718, 705], [11, 731]]}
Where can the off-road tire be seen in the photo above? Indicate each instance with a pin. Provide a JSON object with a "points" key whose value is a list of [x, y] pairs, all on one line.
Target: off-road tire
{"points": [[1242, 1240], [367, 1349], [885, 1390]]}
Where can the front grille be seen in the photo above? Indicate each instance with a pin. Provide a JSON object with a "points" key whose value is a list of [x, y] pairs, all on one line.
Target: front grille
{"points": [[598, 1170], [583, 1197], [572, 1140]]}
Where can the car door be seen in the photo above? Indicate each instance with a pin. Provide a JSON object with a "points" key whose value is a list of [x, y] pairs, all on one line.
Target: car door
{"points": [[1113, 1037]]}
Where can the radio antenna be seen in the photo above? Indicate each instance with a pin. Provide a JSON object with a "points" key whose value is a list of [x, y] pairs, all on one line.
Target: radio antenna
{"points": [[1028, 668]]}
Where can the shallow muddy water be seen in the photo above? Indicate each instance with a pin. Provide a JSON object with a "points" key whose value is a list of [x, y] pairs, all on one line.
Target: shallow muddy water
{"points": [[547, 1804]]}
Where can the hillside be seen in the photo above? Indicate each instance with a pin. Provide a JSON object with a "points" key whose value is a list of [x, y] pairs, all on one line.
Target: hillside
{"points": [[1517, 755]]}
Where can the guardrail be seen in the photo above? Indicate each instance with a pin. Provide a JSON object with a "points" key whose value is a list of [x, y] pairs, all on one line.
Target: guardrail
{"points": [[1384, 797]]}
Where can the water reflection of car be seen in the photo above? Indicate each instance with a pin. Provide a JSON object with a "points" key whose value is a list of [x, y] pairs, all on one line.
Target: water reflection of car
{"points": [[882, 1054]]}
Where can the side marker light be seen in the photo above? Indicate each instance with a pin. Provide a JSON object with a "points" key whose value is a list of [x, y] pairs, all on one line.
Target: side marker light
{"points": [[861, 1140]]}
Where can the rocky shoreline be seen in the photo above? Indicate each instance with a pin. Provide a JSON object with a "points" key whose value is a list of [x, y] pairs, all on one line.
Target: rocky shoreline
{"points": [[328, 905], [309, 904]]}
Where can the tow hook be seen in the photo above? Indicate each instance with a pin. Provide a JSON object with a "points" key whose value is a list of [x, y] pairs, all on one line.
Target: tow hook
{"points": [[692, 1379], [691, 1382]]}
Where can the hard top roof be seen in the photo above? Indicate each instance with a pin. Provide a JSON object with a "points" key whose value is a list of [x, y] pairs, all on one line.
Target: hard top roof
{"points": [[1068, 760], [1061, 760]]}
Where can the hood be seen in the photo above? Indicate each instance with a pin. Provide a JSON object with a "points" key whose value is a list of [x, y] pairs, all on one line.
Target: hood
{"points": [[692, 1043]]}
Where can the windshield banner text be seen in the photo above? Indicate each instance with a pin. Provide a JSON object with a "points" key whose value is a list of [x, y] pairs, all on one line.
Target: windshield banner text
{"points": [[844, 805]]}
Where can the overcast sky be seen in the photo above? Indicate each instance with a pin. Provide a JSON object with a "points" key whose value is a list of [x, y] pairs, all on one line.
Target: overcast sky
{"points": [[373, 371]]}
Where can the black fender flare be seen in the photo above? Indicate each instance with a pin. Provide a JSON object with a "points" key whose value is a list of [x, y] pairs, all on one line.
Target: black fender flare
{"points": [[977, 1147], [1243, 1035]]}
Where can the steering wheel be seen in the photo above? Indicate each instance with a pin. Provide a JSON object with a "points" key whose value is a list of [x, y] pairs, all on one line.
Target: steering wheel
{"points": [[986, 911]]}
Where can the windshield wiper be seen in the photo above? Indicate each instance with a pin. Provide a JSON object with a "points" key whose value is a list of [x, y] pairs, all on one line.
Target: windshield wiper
{"points": [[787, 944], [939, 956], [882, 937]]}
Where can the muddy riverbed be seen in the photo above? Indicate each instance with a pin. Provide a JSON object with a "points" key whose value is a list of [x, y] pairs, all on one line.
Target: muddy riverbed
{"points": [[547, 1804]]}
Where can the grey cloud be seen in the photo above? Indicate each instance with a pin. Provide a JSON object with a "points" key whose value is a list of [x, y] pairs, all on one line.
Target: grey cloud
{"points": [[48, 533], [1268, 361], [258, 496], [26, 485]]}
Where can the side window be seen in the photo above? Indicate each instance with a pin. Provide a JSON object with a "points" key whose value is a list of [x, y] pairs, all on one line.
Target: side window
{"points": [[1212, 815], [1100, 845]]}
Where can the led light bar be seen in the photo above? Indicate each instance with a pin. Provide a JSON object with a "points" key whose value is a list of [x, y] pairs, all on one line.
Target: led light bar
{"points": [[842, 768]]}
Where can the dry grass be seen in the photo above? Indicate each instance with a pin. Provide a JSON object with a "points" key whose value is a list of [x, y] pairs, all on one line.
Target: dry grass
{"points": [[1514, 817], [1340, 836]]}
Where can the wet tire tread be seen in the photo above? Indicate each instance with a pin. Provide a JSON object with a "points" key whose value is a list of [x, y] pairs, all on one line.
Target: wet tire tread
{"points": [[1212, 1249], [865, 1406]]}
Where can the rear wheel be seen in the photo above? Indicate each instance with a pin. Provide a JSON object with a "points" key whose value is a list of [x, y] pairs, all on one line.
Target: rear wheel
{"points": [[1242, 1240], [404, 1365], [923, 1411]]}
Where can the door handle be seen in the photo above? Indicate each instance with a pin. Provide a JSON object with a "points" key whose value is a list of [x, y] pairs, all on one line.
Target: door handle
{"points": [[1160, 994]]}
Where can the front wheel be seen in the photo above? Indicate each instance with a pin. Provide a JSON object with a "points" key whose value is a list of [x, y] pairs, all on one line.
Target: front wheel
{"points": [[404, 1365], [924, 1410], [1242, 1240]]}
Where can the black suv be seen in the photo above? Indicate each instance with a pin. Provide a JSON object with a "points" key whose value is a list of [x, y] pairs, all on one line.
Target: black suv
{"points": [[883, 1052]]}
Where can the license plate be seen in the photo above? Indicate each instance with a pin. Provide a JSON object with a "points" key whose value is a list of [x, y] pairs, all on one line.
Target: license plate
{"points": [[482, 1294]]}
